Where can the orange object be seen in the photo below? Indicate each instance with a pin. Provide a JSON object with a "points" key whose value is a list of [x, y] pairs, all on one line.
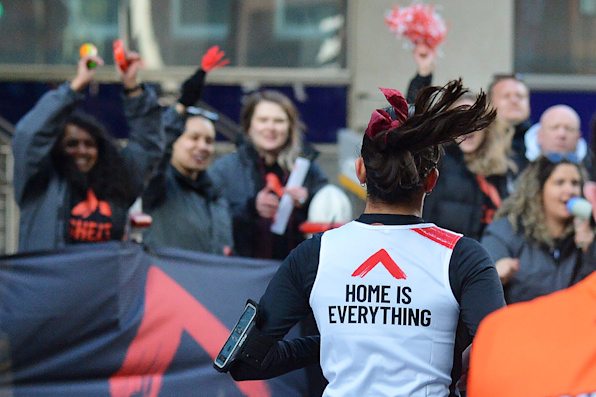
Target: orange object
{"points": [[314, 227], [88, 49], [274, 184], [120, 55], [213, 59], [545, 347]]}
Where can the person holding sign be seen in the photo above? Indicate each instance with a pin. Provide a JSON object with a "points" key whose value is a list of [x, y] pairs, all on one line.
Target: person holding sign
{"points": [[387, 289], [273, 132]]}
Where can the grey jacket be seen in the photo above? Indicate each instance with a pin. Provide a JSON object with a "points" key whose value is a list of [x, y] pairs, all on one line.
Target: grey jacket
{"points": [[186, 214], [42, 193], [542, 270]]}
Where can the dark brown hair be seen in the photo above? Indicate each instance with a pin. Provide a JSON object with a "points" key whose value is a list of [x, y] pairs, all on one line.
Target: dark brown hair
{"points": [[398, 160], [109, 178]]}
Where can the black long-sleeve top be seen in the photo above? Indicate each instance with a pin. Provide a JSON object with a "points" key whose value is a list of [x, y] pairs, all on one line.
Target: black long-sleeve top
{"points": [[472, 276]]}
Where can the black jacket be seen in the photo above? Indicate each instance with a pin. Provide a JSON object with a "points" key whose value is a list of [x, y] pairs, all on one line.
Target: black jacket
{"points": [[188, 214], [239, 177], [456, 201]]}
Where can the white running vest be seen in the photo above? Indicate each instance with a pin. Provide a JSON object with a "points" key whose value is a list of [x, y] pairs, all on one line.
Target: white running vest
{"points": [[385, 309]]}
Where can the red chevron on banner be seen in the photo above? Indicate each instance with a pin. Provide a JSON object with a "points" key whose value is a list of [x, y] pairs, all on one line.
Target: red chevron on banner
{"points": [[169, 310], [380, 257]]}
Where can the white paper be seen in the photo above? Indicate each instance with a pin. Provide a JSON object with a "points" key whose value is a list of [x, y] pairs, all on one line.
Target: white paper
{"points": [[286, 205]]}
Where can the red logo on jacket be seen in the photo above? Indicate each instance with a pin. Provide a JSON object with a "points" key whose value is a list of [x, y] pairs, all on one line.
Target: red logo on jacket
{"points": [[91, 220]]}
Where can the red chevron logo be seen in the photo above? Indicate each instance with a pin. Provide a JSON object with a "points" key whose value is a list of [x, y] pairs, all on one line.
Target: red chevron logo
{"points": [[380, 257], [170, 310]]}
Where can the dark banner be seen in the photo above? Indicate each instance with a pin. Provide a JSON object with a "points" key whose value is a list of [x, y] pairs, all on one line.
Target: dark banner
{"points": [[111, 319]]}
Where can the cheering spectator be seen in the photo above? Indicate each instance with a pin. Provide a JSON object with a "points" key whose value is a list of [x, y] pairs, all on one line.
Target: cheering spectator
{"points": [[511, 97], [537, 245], [71, 183], [480, 177], [274, 140], [187, 211]]}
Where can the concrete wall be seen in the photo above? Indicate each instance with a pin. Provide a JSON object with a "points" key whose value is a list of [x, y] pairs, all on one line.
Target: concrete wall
{"points": [[479, 43]]}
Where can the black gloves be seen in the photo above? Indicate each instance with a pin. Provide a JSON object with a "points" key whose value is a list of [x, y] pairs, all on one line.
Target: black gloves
{"points": [[192, 88]]}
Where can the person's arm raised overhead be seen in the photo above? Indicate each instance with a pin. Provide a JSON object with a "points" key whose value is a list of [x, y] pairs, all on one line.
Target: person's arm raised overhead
{"points": [[37, 132]]}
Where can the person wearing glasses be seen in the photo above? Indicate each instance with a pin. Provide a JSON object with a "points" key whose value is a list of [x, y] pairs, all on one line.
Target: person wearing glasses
{"points": [[538, 246], [187, 210], [559, 132]]}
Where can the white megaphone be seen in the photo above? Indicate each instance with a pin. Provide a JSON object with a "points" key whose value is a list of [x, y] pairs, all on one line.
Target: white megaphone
{"points": [[580, 208]]}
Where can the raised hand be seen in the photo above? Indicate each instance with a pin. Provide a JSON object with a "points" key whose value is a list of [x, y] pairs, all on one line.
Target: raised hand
{"points": [[425, 59], [85, 74], [129, 77], [213, 59]]}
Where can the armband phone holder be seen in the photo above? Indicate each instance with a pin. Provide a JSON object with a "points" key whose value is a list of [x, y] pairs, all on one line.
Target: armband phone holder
{"points": [[237, 338], [120, 55]]}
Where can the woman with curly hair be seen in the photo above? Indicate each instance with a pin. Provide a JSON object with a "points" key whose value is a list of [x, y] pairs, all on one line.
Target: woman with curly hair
{"points": [[538, 246], [480, 177], [72, 183], [386, 289]]}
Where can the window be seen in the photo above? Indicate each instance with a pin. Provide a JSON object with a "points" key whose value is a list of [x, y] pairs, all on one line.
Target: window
{"points": [[555, 37], [254, 33]]}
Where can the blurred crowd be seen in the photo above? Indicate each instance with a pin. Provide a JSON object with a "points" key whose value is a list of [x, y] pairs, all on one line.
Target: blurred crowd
{"points": [[506, 186]]}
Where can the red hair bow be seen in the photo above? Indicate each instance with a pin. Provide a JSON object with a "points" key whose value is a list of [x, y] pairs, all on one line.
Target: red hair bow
{"points": [[381, 120]]}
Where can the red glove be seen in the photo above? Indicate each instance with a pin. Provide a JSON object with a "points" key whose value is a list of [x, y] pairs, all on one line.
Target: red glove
{"points": [[213, 59], [274, 184]]}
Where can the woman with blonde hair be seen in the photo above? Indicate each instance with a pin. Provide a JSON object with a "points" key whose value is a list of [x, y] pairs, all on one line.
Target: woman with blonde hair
{"points": [[536, 243], [273, 134], [480, 177]]}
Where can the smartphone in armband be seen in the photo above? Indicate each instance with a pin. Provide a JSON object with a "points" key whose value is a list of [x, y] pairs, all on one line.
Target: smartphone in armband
{"points": [[235, 342]]}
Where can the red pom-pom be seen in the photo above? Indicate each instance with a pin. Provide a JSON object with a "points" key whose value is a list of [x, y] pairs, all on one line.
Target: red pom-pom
{"points": [[419, 23]]}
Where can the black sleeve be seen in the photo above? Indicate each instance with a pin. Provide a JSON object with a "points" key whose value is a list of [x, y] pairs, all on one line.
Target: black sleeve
{"points": [[474, 282], [416, 84], [284, 357], [285, 303], [172, 125]]}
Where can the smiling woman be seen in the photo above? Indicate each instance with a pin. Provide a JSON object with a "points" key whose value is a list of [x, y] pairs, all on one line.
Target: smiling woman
{"points": [[80, 146], [187, 211], [536, 243], [72, 183], [273, 129]]}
